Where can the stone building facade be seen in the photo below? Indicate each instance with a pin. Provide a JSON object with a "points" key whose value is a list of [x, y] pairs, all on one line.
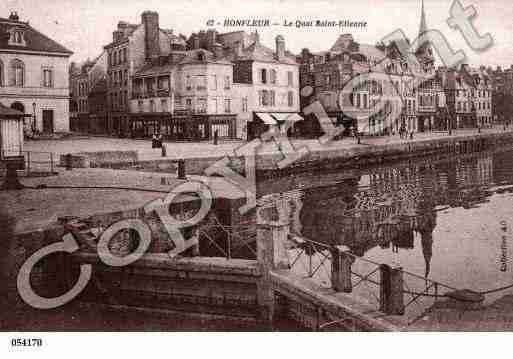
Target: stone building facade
{"points": [[34, 76], [132, 46], [266, 87], [502, 101], [187, 94], [389, 93], [469, 95]]}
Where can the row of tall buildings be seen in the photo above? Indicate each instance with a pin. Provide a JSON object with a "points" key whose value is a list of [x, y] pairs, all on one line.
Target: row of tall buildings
{"points": [[185, 88], [150, 79], [155, 80]]}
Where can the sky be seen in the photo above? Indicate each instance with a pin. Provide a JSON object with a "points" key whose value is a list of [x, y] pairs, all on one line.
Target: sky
{"points": [[85, 26]]}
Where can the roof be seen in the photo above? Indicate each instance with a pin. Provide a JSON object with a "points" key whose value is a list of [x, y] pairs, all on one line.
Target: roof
{"points": [[258, 52], [9, 112], [35, 40], [188, 57]]}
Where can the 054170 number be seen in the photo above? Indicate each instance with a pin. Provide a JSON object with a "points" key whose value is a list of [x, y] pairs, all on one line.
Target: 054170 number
{"points": [[26, 342]]}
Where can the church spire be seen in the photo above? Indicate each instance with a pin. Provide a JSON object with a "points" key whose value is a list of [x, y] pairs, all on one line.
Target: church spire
{"points": [[423, 25], [424, 49]]}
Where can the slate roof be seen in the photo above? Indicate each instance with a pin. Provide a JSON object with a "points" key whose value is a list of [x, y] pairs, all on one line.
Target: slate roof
{"points": [[35, 40], [189, 57], [258, 52]]}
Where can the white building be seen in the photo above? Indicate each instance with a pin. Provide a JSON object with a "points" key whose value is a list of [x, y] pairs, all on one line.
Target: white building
{"points": [[266, 85], [34, 76]]}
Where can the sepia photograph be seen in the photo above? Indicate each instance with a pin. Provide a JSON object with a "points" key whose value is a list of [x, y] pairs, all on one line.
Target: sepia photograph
{"points": [[266, 166]]}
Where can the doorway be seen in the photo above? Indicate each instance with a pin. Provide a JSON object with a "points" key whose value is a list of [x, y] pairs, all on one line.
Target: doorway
{"points": [[48, 121]]}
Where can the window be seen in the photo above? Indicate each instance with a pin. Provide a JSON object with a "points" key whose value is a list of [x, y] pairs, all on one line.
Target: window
{"points": [[1, 74], [290, 78], [140, 105], [114, 58], [264, 98], [17, 73], [201, 83], [273, 98], [163, 105], [327, 79], [126, 77], [110, 60], [227, 105], [290, 98], [213, 82], [152, 106], [213, 104], [16, 38], [202, 105], [244, 104], [125, 55], [188, 104], [273, 76], [263, 76], [47, 78], [188, 83], [227, 82]]}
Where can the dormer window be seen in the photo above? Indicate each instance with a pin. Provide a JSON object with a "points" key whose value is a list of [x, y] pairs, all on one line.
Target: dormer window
{"points": [[17, 37]]}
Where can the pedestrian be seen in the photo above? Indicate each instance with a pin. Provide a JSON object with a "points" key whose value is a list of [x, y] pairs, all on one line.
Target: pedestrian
{"points": [[154, 141], [216, 137]]}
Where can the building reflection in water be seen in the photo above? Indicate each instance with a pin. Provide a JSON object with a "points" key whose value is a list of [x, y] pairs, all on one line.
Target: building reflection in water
{"points": [[387, 207]]}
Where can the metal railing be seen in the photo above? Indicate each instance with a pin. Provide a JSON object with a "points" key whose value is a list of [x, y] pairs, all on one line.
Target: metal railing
{"points": [[391, 290], [217, 239]]}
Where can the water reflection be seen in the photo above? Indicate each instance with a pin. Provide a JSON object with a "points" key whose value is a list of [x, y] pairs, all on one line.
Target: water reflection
{"points": [[400, 212]]}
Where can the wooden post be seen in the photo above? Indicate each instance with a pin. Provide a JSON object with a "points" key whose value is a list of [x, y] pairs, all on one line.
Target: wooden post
{"points": [[181, 169], [271, 255], [341, 270], [391, 290]]}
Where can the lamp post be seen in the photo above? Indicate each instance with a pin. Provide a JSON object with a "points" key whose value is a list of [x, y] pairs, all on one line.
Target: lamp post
{"points": [[34, 117]]}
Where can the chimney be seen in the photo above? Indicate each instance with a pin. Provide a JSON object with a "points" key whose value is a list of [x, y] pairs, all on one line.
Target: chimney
{"points": [[238, 49], [280, 47], [195, 42], [346, 40], [150, 21], [211, 39], [218, 50], [256, 37]]}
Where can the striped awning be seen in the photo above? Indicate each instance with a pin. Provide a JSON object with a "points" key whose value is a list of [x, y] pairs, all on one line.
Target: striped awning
{"points": [[284, 116], [266, 118]]}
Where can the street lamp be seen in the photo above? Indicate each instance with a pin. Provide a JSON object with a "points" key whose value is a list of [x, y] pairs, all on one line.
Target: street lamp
{"points": [[33, 117]]}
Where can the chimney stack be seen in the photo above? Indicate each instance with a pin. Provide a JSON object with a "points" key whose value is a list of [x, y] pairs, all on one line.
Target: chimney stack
{"points": [[211, 39], [150, 21], [218, 50], [280, 47], [238, 49]]}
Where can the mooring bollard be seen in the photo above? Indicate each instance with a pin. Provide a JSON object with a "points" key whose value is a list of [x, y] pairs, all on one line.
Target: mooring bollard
{"points": [[391, 295], [341, 262], [181, 169], [11, 181], [69, 165], [164, 150]]}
